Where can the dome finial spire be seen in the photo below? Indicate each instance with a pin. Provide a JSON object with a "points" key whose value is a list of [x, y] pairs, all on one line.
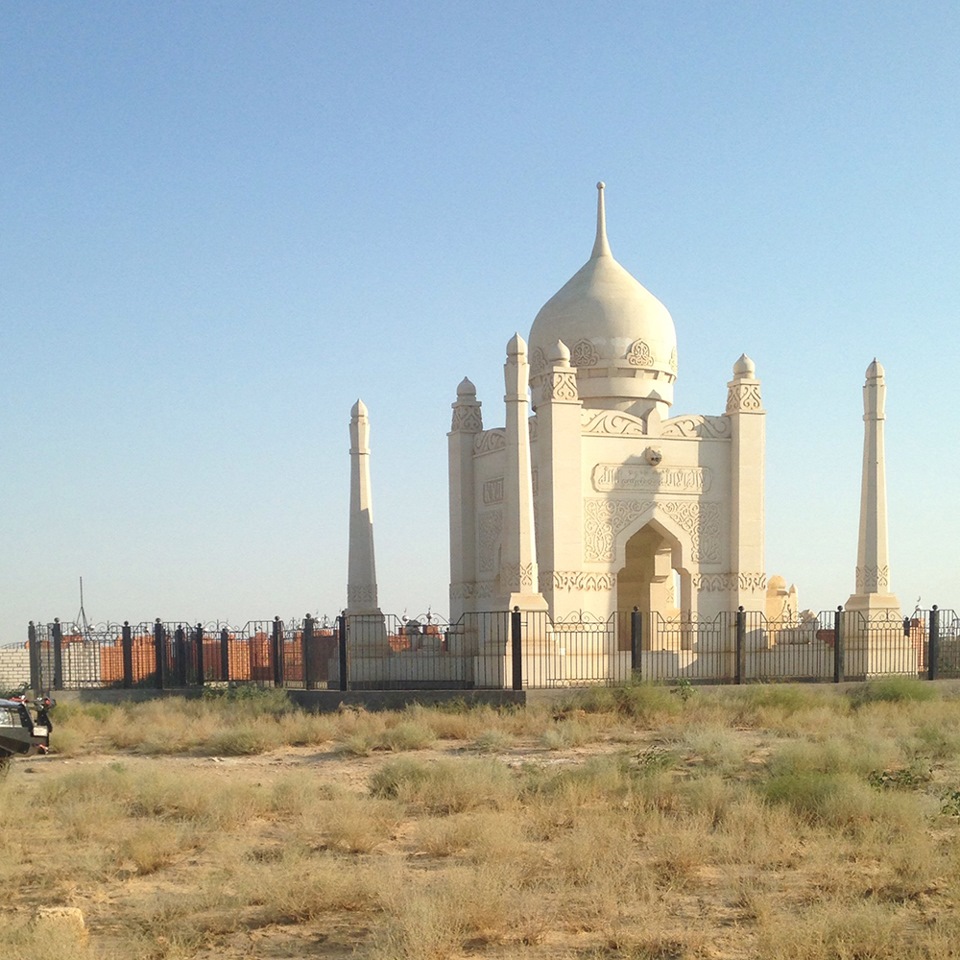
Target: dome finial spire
{"points": [[601, 248]]}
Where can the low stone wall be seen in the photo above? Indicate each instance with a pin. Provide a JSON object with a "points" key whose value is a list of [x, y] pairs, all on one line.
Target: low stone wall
{"points": [[14, 667]]}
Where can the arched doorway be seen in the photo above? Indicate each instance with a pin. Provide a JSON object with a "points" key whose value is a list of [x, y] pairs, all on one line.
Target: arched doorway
{"points": [[652, 578]]}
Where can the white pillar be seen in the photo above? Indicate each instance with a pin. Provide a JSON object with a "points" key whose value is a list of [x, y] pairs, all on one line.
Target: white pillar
{"points": [[467, 422], [518, 579], [362, 573], [747, 458], [560, 496], [872, 594]]}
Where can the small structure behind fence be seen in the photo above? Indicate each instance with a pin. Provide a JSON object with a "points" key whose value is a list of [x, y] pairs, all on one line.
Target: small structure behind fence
{"points": [[494, 650]]}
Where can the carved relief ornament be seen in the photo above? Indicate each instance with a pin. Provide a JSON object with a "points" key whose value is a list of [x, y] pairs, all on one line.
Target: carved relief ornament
{"points": [[489, 530], [698, 426], [584, 354], [644, 478], [362, 595], [559, 386], [605, 519], [639, 354], [610, 423], [466, 418], [578, 580], [743, 396], [516, 575], [873, 579], [489, 441]]}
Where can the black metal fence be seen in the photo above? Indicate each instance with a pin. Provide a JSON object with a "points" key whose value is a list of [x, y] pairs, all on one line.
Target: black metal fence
{"points": [[494, 650]]}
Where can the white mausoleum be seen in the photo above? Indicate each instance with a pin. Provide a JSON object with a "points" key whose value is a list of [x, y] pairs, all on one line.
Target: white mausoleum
{"points": [[594, 497]]}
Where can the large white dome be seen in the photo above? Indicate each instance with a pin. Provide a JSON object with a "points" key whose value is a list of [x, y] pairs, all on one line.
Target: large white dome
{"points": [[621, 337]]}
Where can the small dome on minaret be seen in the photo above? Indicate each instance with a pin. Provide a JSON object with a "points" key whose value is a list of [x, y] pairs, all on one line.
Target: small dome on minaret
{"points": [[466, 388], [744, 367], [875, 370]]}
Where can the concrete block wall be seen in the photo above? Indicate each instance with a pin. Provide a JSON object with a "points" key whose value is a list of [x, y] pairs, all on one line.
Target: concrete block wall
{"points": [[14, 667]]}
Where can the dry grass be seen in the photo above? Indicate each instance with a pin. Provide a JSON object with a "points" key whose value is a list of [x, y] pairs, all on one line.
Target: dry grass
{"points": [[770, 822]]}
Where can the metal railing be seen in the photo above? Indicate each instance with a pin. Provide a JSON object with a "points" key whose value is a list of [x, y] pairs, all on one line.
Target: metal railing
{"points": [[493, 650]]}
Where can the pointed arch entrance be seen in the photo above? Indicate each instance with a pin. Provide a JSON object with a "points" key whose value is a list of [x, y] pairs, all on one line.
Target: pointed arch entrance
{"points": [[653, 578]]}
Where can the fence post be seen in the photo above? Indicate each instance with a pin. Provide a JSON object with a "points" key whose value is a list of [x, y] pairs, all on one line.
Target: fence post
{"points": [[740, 643], [516, 649], [276, 651], [57, 655], [342, 648], [158, 649], [308, 652], [126, 646], [198, 639], [838, 645], [33, 647], [224, 654], [180, 653], [636, 641], [933, 651]]}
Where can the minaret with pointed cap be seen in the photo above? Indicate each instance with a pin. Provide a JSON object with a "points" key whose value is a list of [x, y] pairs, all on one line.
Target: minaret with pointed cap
{"points": [[518, 574], [873, 594], [362, 573]]}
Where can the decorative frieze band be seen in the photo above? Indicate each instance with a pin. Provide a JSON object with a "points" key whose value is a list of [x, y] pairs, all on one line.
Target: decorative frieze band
{"points": [[577, 580], [723, 582], [471, 591]]}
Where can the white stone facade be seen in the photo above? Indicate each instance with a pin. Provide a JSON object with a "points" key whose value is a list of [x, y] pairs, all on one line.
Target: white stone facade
{"points": [[630, 507]]}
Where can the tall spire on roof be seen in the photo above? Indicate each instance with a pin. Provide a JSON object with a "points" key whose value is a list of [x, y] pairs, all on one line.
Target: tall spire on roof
{"points": [[600, 247]]}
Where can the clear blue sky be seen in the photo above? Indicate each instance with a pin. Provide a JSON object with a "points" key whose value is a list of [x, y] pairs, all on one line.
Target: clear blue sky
{"points": [[221, 223]]}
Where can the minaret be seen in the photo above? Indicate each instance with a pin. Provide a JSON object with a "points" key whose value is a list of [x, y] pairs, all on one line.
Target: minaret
{"points": [[518, 557], [747, 459], [465, 426], [872, 594], [362, 573], [560, 497]]}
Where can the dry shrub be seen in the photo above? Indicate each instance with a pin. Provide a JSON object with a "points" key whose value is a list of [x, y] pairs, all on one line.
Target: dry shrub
{"points": [[566, 734], [355, 824], [717, 747], [493, 741], [446, 786], [299, 887], [299, 728], [863, 930], [406, 735], [25, 938], [252, 738], [435, 917], [151, 847]]}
